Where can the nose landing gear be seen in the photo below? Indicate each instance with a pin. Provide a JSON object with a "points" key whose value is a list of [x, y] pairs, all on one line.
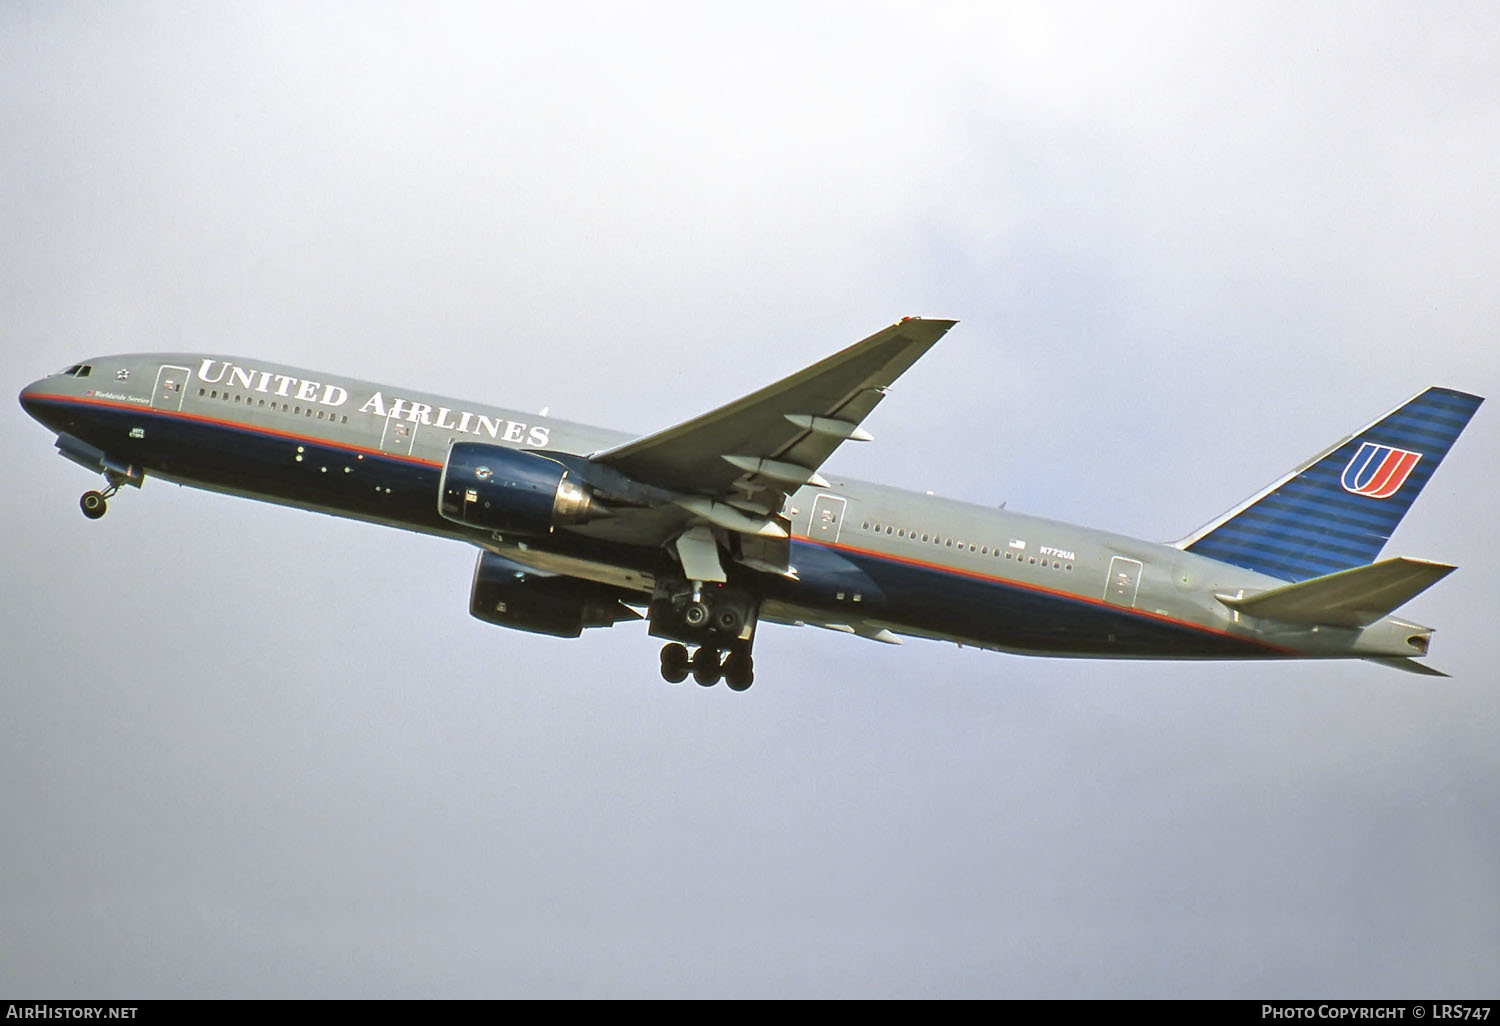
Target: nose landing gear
{"points": [[93, 505], [96, 504], [117, 472]]}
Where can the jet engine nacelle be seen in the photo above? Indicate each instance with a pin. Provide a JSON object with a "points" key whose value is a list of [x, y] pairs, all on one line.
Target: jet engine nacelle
{"points": [[511, 490], [511, 595]]}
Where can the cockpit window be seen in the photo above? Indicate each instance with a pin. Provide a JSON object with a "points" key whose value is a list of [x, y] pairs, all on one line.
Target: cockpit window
{"points": [[78, 370]]}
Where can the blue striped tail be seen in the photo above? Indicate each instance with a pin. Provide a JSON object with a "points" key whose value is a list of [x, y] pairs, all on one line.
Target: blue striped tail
{"points": [[1338, 509]]}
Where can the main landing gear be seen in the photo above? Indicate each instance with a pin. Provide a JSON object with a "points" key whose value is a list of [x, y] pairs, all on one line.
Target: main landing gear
{"points": [[717, 619], [708, 664]]}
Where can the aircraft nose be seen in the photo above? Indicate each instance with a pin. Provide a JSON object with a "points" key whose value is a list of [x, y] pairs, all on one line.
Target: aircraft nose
{"points": [[29, 398]]}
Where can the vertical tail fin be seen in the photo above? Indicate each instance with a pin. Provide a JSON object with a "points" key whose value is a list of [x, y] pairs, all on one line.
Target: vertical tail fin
{"points": [[1337, 510]]}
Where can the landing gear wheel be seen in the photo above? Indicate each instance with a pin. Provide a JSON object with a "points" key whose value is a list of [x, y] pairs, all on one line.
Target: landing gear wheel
{"points": [[674, 663], [93, 505], [728, 622], [696, 614], [739, 671], [706, 666]]}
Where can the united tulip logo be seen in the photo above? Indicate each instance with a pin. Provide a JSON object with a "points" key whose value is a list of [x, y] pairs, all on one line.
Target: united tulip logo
{"points": [[1378, 471]]}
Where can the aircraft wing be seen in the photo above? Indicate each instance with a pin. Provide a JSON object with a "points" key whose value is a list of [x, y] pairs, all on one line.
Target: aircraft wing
{"points": [[752, 453]]}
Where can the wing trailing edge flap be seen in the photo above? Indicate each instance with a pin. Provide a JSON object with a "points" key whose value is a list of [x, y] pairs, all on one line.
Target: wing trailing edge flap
{"points": [[1349, 598], [737, 464], [859, 628]]}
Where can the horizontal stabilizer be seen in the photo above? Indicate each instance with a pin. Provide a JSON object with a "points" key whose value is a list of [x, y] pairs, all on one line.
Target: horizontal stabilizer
{"points": [[1349, 598]]}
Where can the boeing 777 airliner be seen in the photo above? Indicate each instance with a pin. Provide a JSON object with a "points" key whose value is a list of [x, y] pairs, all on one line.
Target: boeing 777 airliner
{"points": [[722, 523]]}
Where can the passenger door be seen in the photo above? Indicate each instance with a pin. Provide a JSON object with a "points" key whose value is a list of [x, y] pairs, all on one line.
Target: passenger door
{"points": [[171, 386], [1124, 581]]}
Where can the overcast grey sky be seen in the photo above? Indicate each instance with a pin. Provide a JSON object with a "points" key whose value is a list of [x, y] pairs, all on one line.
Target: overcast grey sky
{"points": [[255, 752]]}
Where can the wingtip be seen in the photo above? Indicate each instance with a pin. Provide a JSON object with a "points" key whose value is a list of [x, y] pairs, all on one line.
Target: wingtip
{"points": [[1407, 664], [920, 332]]}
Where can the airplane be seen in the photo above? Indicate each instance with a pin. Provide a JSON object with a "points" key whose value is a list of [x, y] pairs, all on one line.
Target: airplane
{"points": [[724, 522]]}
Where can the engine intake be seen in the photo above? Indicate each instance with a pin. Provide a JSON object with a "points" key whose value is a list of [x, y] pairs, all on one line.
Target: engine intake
{"points": [[511, 490]]}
